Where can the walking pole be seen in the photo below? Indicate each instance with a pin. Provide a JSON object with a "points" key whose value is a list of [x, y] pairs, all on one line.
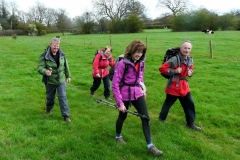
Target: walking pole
{"points": [[99, 100]]}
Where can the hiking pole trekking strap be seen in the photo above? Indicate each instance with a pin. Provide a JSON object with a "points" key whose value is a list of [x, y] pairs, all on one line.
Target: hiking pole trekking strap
{"points": [[99, 100]]}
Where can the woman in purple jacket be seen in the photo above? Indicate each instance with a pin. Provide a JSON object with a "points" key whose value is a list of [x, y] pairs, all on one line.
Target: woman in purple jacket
{"points": [[127, 90]]}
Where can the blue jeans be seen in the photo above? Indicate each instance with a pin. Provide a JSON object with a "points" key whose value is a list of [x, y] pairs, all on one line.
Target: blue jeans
{"points": [[106, 83], [62, 98]]}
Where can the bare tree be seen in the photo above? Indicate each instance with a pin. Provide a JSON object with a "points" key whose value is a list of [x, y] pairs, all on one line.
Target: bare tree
{"points": [[49, 17], [13, 8], [113, 9], [37, 13], [41, 11], [88, 22], [63, 22], [176, 6], [22, 16], [102, 24], [32, 14], [135, 7], [85, 23], [118, 10]]}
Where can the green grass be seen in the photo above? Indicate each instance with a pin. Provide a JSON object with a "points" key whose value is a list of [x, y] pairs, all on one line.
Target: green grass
{"points": [[214, 86]]}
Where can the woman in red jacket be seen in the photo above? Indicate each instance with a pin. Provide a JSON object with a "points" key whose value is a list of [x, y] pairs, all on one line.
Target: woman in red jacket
{"points": [[100, 70], [177, 86]]}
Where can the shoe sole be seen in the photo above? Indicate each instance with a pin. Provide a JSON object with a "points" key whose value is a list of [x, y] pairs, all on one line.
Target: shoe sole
{"points": [[161, 153]]}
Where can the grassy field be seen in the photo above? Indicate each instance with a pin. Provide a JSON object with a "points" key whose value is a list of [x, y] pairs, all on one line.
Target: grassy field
{"points": [[25, 134]]}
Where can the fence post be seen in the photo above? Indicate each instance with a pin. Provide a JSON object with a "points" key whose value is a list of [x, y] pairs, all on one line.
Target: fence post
{"points": [[211, 53]]}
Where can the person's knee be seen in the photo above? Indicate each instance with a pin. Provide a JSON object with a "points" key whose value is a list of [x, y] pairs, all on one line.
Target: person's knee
{"points": [[145, 118], [122, 117]]}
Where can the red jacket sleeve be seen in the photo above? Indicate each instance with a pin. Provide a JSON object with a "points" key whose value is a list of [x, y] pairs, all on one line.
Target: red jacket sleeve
{"points": [[165, 68], [95, 64], [111, 62]]}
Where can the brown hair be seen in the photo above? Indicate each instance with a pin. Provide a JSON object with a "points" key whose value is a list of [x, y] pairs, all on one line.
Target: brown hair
{"points": [[133, 47]]}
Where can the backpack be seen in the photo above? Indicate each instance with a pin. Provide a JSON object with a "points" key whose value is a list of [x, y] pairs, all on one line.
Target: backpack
{"points": [[98, 52], [171, 52], [111, 70]]}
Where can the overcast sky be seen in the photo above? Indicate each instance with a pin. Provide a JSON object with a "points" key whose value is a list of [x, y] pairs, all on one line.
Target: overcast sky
{"points": [[77, 7]]}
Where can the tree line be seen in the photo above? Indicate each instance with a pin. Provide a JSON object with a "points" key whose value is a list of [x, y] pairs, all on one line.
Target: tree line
{"points": [[112, 16]]}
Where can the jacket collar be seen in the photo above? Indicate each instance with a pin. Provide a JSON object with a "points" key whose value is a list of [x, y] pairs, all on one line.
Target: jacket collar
{"points": [[48, 54]]}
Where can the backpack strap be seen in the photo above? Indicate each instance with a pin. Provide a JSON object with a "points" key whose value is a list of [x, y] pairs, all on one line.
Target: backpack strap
{"points": [[96, 53], [171, 79], [126, 70], [100, 56], [178, 61], [130, 85], [124, 73]]}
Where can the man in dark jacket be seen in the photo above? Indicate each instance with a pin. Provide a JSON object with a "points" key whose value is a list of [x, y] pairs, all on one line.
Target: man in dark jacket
{"points": [[54, 67], [177, 86]]}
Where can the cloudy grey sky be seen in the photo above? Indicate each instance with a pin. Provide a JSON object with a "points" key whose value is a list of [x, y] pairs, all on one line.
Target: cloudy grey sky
{"points": [[77, 7]]}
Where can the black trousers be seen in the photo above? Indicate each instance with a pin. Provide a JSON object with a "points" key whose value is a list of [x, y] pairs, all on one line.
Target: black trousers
{"points": [[187, 105], [106, 83], [141, 107]]}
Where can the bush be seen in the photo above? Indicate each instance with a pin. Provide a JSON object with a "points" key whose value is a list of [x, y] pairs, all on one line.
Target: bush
{"points": [[134, 24], [12, 32], [43, 32], [14, 36]]}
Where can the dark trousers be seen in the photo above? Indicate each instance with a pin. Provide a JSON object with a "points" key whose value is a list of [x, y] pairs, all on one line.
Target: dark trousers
{"points": [[106, 83], [62, 98], [141, 108], [187, 105]]}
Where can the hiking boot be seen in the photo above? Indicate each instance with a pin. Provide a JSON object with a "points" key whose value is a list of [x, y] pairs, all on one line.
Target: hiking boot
{"points": [[108, 98], [162, 120], [194, 127], [67, 119], [153, 150], [49, 112], [120, 140]]}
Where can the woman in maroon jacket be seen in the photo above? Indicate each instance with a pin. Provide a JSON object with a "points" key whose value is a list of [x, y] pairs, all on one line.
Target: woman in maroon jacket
{"points": [[100, 71], [177, 86]]}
